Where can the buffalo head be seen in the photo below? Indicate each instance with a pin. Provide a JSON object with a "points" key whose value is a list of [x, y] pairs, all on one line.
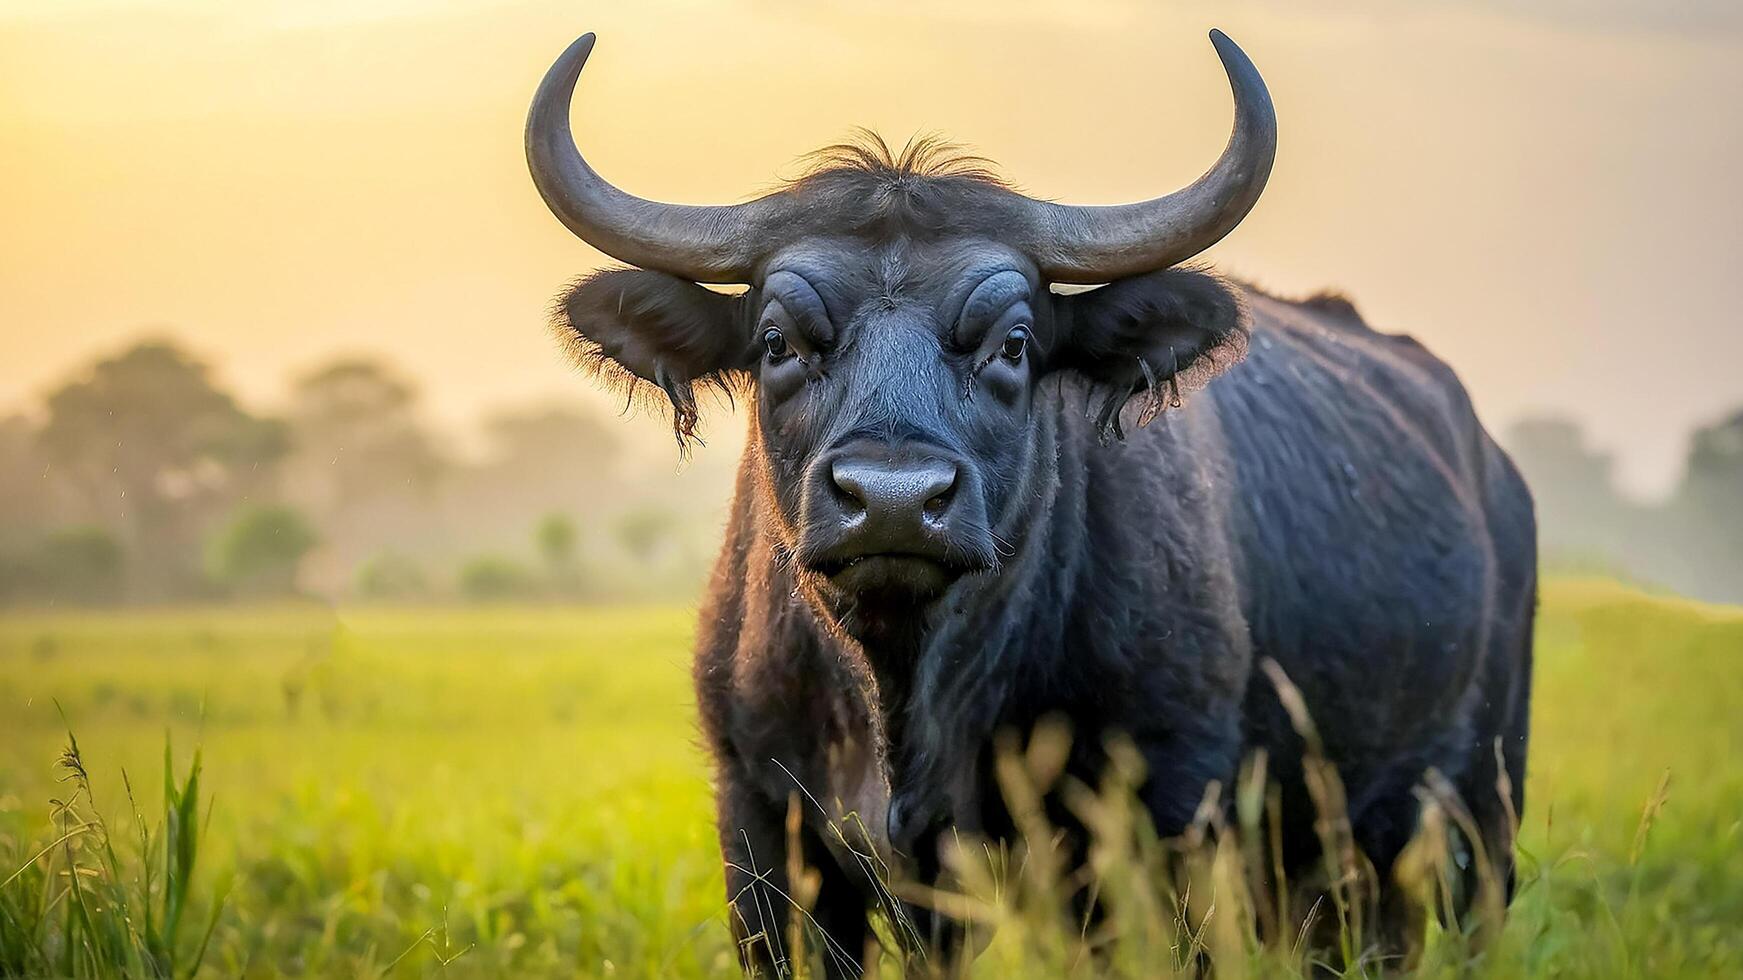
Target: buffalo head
{"points": [[898, 325]]}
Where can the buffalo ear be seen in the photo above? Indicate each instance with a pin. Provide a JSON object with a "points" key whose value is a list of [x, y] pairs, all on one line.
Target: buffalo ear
{"points": [[633, 328], [1158, 333]]}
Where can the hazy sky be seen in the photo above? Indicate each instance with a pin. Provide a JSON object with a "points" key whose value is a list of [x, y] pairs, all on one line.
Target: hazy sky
{"points": [[1546, 193]]}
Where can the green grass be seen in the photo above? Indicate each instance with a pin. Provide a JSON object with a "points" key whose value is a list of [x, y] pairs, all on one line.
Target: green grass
{"points": [[518, 792]]}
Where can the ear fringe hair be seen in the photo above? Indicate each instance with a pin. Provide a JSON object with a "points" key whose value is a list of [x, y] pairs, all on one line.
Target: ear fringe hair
{"points": [[1165, 387], [664, 394]]}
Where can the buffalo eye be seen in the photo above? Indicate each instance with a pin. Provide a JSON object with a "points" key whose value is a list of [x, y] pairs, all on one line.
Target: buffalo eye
{"points": [[775, 343], [1016, 345]]}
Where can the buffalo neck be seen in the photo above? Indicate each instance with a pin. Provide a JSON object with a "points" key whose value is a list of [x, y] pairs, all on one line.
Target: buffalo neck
{"points": [[950, 673]]}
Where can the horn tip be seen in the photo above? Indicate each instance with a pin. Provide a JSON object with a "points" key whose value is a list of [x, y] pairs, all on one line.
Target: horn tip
{"points": [[1235, 61], [580, 48], [568, 65]]}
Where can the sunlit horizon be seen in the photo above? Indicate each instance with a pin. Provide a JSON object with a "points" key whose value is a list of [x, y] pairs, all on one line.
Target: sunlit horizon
{"points": [[1545, 198]]}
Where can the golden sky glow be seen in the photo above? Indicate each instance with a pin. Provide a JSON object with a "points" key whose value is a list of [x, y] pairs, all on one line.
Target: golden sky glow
{"points": [[1550, 201]]}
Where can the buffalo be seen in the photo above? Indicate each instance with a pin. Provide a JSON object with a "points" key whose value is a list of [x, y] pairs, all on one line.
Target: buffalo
{"points": [[973, 503]]}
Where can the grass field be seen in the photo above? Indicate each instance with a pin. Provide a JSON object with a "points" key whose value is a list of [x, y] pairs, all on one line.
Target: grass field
{"points": [[518, 791]]}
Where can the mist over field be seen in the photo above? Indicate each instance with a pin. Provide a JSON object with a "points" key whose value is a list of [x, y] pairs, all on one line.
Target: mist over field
{"points": [[144, 478]]}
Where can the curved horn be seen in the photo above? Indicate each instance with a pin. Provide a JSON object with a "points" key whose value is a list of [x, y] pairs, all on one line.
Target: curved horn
{"points": [[1100, 244], [704, 244]]}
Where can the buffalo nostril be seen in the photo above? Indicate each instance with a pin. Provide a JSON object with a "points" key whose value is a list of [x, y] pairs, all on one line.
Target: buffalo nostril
{"points": [[849, 490], [900, 494], [939, 493], [936, 504]]}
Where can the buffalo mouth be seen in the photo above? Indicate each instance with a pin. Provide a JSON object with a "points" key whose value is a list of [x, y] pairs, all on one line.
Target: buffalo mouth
{"points": [[898, 573]]}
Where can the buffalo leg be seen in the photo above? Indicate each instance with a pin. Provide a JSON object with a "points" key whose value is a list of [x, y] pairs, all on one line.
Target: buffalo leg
{"points": [[1493, 784], [1178, 768], [762, 902], [1395, 920], [754, 851]]}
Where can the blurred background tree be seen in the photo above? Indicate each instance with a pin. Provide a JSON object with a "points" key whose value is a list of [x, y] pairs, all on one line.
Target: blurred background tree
{"points": [[644, 531], [256, 554], [78, 565], [146, 447], [1691, 542], [152, 448], [390, 577], [364, 465], [558, 541], [357, 430], [1581, 517], [1706, 513], [535, 460], [494, 578], [25, 487]]}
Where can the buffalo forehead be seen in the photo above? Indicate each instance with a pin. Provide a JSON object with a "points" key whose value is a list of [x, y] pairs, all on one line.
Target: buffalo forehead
{"points": [[850, 273]]}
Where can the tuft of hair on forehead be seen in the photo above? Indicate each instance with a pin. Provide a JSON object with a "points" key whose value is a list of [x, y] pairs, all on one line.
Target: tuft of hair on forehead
{"points": [[873, 188], [925, 156]]}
